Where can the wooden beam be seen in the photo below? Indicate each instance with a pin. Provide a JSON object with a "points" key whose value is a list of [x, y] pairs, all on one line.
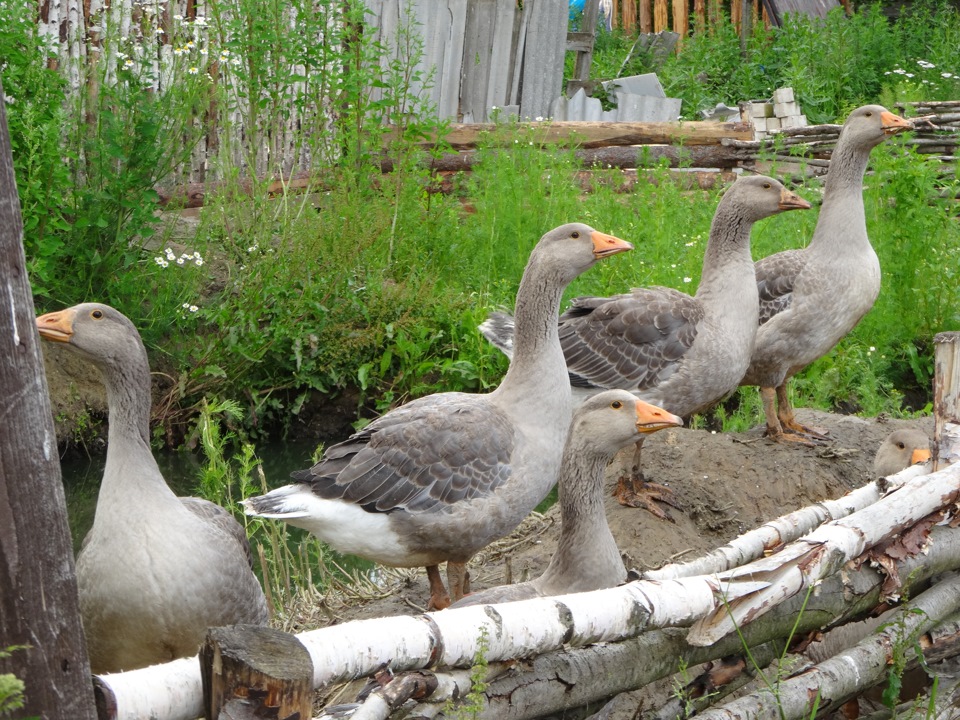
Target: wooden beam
{"points": [[39, 606], [599, 134], [681, 19], [646, 16]]}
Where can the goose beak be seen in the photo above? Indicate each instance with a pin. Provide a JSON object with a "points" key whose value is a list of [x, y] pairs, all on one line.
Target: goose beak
{"points": [[57, 326], [792, 201], [606, 245], [650, 418], [920, 455], [892, 124]]}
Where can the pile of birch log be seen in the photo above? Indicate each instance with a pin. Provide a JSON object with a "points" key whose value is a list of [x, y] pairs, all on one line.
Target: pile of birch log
{"points": [[774, 611], [709, 146]]}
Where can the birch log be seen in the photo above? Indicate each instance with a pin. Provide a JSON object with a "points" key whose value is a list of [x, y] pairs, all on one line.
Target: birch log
{"points": [[571, 678], [821, 553], [769, 536], [946, 398], [848, 674]]}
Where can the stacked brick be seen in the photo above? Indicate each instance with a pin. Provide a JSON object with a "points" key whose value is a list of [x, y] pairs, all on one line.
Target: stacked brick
{"points": [[770, 117]]}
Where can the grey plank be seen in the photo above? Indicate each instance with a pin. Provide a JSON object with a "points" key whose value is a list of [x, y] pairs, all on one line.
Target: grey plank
{"points": [[478, 58], [543, 56]]}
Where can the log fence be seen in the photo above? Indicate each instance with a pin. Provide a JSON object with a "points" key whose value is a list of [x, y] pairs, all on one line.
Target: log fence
{"points": [[873, 546]]}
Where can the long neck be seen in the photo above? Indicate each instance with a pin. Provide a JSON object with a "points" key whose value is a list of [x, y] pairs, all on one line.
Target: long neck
{"points": [[537, 365], [130, 465], [727, 264], [843, 190], [587, 556]]}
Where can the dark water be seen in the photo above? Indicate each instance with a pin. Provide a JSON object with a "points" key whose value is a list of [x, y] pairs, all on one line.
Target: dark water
{"points": [[181, 469]]}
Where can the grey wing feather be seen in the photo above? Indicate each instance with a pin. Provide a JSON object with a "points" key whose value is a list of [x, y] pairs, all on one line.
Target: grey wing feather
{"points": [[421, 457], [776, 275], [221, 518], [633, 341]]}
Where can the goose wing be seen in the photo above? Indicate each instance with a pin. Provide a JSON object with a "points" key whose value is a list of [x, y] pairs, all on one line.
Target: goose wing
{"points": [[776, 276], [633, 341], [427, 455]]}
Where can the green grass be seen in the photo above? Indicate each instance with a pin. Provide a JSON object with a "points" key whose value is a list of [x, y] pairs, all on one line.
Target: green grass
{"points": [[375, 284]]}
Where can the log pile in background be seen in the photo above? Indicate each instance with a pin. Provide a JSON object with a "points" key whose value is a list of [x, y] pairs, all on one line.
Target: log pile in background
{"points": [[703, 151]]}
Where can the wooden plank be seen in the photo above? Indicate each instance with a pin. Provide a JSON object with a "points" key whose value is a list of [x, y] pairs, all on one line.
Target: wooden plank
{"points": [[543, 56], [646, 16], [660, 22], [478, 56], [603, 134], [39, 606], [581, 68], [504, 56], [681, 17]]}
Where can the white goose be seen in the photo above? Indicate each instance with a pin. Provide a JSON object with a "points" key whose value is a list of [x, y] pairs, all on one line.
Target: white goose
{"points": [[155, 571], [441, 477]]}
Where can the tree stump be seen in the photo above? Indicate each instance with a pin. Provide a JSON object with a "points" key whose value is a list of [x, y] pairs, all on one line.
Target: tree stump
{"points": [[252, 671]]}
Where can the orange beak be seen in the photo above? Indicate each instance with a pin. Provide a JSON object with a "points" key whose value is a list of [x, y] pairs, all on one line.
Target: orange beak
{"points": [[606, 245], [57, 326], [792, 201], [892, 124], [919, 455], [650, 418]]}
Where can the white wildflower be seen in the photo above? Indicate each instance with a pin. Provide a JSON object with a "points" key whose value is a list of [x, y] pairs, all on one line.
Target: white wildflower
{"points": [[180, 261], [925, 64], [193, 308], [253, 248], [169, 253], [687, 279], [194, 70], [946, 75], [160, 261], [178, 16]]}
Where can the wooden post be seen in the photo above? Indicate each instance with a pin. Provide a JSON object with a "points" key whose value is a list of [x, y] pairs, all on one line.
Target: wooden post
{"points": [[646, 17], [946, 399], [582, 43], [681, 18], [249, 670], [699, 16], [660, 21], [746, 26], [39, 607]]}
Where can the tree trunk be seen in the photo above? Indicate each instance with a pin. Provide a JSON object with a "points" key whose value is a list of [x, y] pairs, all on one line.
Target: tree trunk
{"points": [[39, 607]]}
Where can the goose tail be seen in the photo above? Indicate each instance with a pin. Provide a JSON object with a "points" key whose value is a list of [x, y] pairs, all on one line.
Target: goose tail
{"points": [[498, 329]]}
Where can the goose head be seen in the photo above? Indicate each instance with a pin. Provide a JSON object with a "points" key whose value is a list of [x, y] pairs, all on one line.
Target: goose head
{"points": [[899, 450], [613, 419], [870, 125], [570, 249], [97, 332], [760, 196]]}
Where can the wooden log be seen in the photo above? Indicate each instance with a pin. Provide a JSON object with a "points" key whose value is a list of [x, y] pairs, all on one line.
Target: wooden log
{"points": [[681, 17], [602, 134], [946, 398], [39, 606], [660, 16], [646, 16], [258, 671], [564, 679], [848, 674]]}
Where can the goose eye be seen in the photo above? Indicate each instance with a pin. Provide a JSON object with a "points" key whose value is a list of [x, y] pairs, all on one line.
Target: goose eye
{"points": [[576, 234], [96, 314], [869, 114], [616, 404], [767, 186], [901, 445]]}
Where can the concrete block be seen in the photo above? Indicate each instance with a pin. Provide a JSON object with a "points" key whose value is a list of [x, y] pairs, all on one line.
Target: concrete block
{"points": [[773, 124], [786, 109], [793, 121], [646, 84], [761, 109], [759, 124], [644, 108], [783, 95]]}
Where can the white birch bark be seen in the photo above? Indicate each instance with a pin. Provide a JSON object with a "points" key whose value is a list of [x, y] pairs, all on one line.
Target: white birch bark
{"points": [[785, 529], [823, 552], [851, 672]]}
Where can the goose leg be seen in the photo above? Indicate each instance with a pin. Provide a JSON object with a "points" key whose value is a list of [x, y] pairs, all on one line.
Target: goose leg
{"points": [[458, 578], [634, 491], [775, 430], [439, 598], [788, 420]]}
